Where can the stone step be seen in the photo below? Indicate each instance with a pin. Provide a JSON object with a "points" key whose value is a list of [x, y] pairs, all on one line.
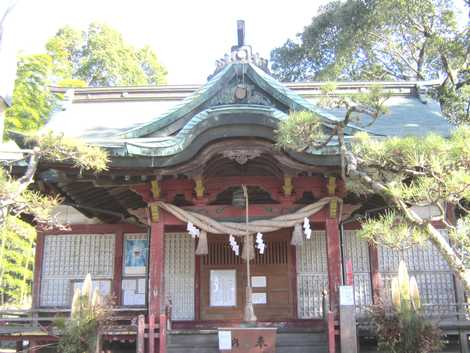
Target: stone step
{"points": [[300, 339], [292, 342]]}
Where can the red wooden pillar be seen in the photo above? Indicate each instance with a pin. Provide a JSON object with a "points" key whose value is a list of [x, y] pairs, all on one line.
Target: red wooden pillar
{"points": [[151, 333], [156, 295], [156, 270], [38, 269], [118, 254], [375, 274], [197, 289], [334, 260], [162, 333]]}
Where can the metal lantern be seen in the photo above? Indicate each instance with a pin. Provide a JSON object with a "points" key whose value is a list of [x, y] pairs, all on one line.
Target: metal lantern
{"points": [[238, 198]]}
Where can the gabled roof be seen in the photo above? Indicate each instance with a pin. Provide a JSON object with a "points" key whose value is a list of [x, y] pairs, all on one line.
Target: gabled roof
{"points": [[170, 124]]}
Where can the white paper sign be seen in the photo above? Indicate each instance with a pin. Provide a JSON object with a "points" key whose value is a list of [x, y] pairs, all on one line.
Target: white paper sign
{"points": [[346, 295], [223, 288], [225, 340], [258, 281], [259, 298]]}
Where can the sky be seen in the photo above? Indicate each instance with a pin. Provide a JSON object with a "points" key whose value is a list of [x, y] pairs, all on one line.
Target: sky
{"points": [[188, 36]]}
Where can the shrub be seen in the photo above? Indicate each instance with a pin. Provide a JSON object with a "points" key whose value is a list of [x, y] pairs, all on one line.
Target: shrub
{"points": [[402, 327]]}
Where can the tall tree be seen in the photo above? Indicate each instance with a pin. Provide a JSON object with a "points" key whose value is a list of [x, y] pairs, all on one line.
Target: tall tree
{"points": [[384, 40], [99, 56], [32, 98]]}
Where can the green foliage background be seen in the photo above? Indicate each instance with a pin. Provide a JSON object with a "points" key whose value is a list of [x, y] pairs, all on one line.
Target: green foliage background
{"points": [[98, 56]]}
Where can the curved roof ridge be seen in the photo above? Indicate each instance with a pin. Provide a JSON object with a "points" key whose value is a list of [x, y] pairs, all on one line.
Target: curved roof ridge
{"points": [[184, 107]]}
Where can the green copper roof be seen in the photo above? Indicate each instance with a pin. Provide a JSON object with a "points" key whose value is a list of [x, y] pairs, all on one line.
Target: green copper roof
{"points": [[166, 131], [200, 99]]}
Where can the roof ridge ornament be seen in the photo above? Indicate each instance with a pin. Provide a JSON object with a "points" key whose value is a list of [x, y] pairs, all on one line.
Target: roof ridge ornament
{"points": [[241, 53]]}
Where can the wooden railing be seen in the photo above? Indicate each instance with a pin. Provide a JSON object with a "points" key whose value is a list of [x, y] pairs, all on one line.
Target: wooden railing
{"points": [[123, 322], [14, 321], [450, 317]]}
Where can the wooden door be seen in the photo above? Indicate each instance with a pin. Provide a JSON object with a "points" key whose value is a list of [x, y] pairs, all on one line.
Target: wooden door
{"points": [[274, 269]]}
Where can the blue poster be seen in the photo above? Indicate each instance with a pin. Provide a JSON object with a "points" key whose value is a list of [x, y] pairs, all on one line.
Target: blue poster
{"points": [[136, 252]]}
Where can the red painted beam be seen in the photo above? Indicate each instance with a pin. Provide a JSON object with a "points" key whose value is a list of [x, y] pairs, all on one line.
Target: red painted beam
{"points": [[267, 211], [215, 185], [334, 260]]}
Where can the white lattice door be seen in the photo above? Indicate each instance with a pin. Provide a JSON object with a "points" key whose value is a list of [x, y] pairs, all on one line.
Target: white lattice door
{"points": [[179, 274], [357, 250], [312, 275], [435, 278]]}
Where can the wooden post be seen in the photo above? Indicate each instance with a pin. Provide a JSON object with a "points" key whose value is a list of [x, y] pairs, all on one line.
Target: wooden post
{"points": [[117, 278], [334, 260], [151, 333], [347, 320], [197, 289], [140, 334], [38, 269], [156, 270], [19, 346], [162, 339], [33, 346], [375, 273], [331, 332]]}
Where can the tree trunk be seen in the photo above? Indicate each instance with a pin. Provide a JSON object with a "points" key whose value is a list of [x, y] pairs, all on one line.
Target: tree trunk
{"points": [[436, 238], [449, 255]]}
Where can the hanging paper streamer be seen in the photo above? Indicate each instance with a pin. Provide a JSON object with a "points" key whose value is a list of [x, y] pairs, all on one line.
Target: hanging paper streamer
{"points": [[202, 248], [307, 230], [234, 245], [260, 245], [193, 230], [297, 237]]}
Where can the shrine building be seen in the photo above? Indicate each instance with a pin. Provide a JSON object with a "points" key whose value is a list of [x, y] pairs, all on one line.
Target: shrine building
{"points": [[163, 230]]}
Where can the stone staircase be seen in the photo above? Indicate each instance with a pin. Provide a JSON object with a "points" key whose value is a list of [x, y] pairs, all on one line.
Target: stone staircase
{"points": [[206, 341]]}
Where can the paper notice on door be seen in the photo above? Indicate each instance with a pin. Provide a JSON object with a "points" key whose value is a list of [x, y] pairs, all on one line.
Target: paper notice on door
{"points": [[225, 340], [258, 281], [346, 295], [258, 298]]}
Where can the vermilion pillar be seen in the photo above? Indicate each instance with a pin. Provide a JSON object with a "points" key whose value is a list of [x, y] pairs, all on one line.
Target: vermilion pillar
{"points": [[156, 270], [118, 254], [334, 260]]}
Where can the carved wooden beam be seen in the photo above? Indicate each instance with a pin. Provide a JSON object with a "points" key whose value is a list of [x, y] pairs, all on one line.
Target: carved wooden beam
{"points": [[288, 187], [199, 190]]}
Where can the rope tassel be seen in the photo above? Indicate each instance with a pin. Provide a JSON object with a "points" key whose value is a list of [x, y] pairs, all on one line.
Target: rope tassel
{"points": [[297, 236], [202, 248], [248, 249]]}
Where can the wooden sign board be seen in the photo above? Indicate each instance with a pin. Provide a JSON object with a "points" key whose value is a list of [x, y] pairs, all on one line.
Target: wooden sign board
{"points": [[347, 318], [247, 340]]}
